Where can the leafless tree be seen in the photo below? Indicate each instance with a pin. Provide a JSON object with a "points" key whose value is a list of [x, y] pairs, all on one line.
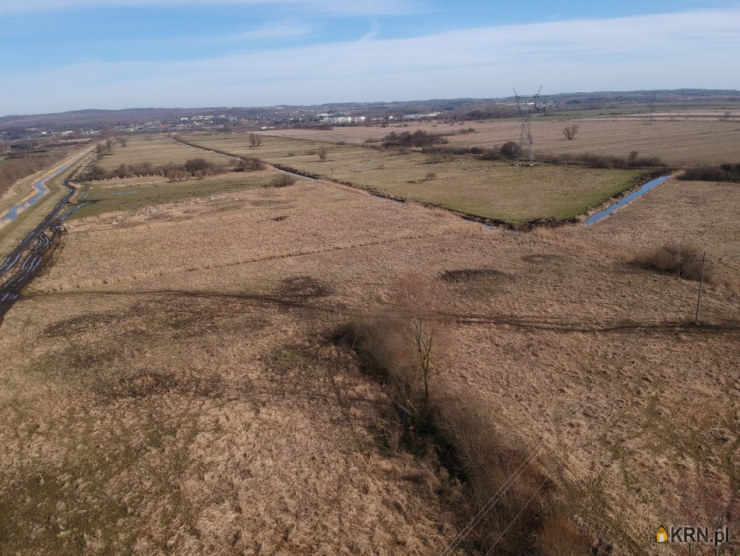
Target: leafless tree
{"points": [[422, 302], [122, 141], [570, 131], [322, 152], [255, 140]]}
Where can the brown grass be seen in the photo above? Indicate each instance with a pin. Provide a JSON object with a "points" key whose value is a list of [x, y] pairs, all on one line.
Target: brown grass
{"points": [[699, 215], [675, 142], [157, 151], [167, 385], [490, 189]]}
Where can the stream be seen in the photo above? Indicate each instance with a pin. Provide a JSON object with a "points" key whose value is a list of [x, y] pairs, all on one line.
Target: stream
{"points": [[40, 187], [631, 197]]}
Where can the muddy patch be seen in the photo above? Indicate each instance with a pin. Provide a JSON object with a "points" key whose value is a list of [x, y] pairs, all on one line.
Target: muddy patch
{"points": [[149, 383], [545, 259], [467, 275], [303, 287]]}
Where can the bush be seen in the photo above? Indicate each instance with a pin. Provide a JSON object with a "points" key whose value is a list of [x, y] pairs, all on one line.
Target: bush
{"points": [[603, 161], [724, 172], [570, 131], [682, 260], [417, 139], [510, 149], [322, 152], [249, 165], [462, 437], [197, 164], [282, 180]]}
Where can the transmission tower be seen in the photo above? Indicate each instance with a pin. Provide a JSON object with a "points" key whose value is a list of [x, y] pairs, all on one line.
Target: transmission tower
{"points": [[650, 101], [526, 108]]}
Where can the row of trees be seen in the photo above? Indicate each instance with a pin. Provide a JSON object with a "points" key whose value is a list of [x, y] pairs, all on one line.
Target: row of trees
{"points": [[192, 168]]}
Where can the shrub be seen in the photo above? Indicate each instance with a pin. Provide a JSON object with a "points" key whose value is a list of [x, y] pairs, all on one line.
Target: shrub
{"points": [[724, 172], [249, 165], [510, 149], [460, 433], [603, 161], [197, 164], [492, 154], [282, 180], [417, 139], [570, 131], [682, 260], [254, 140]]}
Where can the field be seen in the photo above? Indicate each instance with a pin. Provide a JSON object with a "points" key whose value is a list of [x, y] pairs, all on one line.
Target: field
{"points": [[132, 194], [699, 214], [174, 381], [489, 189], [676, 142], [155, 150]]}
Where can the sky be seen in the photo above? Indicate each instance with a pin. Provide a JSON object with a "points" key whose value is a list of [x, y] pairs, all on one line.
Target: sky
{"points": [[60, 55]]}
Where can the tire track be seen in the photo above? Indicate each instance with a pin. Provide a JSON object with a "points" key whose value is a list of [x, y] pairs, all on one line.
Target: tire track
{"points": [[26, 261]]}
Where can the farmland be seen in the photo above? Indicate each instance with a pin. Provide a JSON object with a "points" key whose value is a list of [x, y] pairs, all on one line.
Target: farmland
{"points": [[675, 142], [157, 150], [490, 189], [175, 381]]}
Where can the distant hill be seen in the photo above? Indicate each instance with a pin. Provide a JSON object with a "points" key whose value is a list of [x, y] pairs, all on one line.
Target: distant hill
{"points": [[102, 119]]}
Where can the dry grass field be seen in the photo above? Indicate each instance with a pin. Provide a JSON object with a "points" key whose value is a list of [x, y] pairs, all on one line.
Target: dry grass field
{"points": [[677, 142], [490, 189], [130, 194], [156, 150], [171, 385], [703, 215]]}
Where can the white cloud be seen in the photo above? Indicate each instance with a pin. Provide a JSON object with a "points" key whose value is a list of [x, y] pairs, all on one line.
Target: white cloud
{"points": [[373, 32], [692, 49], [336, 7], [276, 30]]}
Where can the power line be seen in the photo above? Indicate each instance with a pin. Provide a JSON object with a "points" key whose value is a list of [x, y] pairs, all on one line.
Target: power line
{"points": [[491, 502], [525, 115], [490, 550]]}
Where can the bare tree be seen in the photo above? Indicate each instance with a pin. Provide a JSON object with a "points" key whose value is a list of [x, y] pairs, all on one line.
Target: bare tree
{"points": [[122, 141], [422, 302], [108, 142], [570, 131], [255, 140], [322, 152]]}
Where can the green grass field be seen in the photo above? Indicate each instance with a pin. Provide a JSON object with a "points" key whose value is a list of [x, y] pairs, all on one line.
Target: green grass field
{"points": [[134, 194], [491, 189]]}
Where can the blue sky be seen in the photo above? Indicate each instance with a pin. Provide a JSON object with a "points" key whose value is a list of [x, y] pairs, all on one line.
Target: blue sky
{"points": [[75, 54]]}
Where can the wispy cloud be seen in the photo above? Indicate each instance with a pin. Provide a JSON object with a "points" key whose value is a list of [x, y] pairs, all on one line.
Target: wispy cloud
{"points": [[373, 32], [691, 49], [276, 30], [336, 7]]}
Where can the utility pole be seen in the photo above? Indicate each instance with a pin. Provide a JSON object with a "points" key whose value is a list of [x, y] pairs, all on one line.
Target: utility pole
{"points": [[701, 283]]}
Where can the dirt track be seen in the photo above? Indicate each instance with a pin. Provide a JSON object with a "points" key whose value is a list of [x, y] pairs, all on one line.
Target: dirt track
{"points": [[28, 258]]}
